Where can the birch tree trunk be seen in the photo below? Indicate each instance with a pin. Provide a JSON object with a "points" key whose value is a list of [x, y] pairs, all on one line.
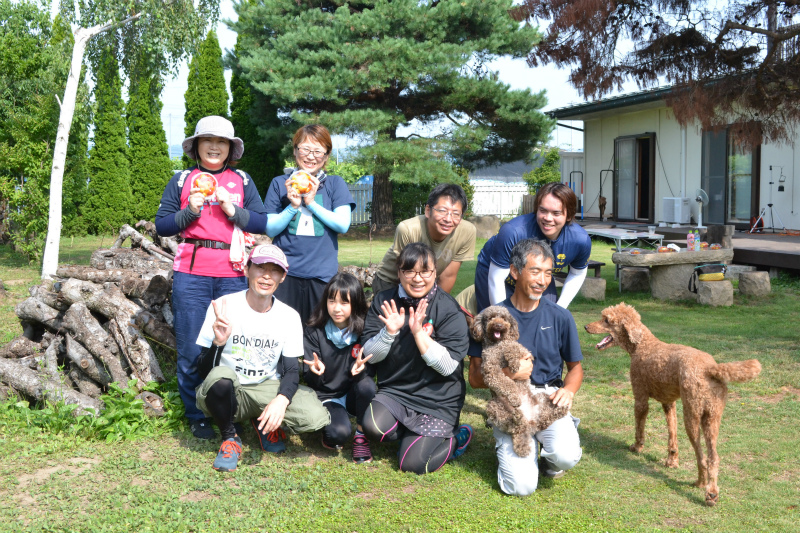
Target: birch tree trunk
{"points": [[81, 36]]}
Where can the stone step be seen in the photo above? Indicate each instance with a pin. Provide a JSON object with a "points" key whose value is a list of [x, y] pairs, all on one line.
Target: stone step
{"points": [[734, 271]]}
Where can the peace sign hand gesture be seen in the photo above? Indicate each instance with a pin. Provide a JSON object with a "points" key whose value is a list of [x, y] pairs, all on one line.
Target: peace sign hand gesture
{"points": [[221, 327], [361, 363], [316, 366]]}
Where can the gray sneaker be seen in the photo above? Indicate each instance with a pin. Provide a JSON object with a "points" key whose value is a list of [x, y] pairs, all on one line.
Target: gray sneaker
{"points": [[546, 469]]}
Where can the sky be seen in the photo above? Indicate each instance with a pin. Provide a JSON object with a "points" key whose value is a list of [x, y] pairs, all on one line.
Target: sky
{"points": [[516, 73]]}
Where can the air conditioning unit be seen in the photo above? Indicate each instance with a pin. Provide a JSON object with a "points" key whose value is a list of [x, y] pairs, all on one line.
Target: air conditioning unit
{"points": [[675, 210]]}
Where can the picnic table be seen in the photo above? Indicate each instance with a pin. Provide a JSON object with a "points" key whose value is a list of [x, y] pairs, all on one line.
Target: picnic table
{"points": [[623, 238], [670, 272]]}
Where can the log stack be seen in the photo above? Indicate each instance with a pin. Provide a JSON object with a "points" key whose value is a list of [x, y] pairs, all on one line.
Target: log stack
{"points": [[95, 325]]}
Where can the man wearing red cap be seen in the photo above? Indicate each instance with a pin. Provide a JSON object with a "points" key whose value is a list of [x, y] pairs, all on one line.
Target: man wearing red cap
{"points": [[251, 343]]}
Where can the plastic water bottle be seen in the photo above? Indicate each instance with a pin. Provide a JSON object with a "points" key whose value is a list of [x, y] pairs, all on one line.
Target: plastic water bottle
{"points": [[690, 241], [697, 246]]}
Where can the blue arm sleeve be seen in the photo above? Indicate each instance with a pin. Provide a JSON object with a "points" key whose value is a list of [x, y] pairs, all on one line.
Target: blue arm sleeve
{"points": [[166, 226], [338, 220], [170, 206], [277, 222]]}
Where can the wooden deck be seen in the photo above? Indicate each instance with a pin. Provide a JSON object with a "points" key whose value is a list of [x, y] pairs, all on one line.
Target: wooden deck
{"points": [[765, 251]]}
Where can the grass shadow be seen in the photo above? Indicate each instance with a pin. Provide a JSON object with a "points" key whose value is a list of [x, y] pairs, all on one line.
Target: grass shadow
{"points": [[616, 454]]}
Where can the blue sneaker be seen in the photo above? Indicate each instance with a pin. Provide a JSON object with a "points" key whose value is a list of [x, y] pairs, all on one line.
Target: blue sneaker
{"points": [[463, 436], [271, 442], [228, 456]]}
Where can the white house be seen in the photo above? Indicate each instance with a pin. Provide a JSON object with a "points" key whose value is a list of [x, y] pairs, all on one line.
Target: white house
{"points": [[648, 166]]}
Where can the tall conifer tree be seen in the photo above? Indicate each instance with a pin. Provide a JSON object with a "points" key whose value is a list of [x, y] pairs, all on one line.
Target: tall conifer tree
{"points": [[206, 93], [412, 78], [108, 204], [256, 122], [148, 153]]}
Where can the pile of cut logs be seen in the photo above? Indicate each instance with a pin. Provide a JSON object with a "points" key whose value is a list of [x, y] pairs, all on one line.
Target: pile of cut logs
{"points": [[94, 325]]}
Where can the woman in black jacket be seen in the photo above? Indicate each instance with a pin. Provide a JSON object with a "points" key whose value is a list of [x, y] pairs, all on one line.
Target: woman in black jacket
{"points": [[417, 338]]}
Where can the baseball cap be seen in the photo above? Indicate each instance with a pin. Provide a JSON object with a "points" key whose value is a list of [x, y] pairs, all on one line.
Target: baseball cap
{"points": [[269, 253]]}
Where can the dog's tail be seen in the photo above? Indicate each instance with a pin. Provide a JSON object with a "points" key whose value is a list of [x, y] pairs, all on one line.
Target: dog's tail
{"points": [[737, 371]]}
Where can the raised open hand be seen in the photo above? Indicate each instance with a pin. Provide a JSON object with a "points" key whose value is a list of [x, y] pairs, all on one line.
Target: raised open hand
{"points": [[361, 362], [391, 317], [316, 366], [221, 327], [416, 317]]}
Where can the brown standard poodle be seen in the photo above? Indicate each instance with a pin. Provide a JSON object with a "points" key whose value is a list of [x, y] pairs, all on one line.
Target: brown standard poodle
{"points": [[667, 372], [514, 408]]}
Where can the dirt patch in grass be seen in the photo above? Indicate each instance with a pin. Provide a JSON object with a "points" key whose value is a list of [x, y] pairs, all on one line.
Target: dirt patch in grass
{"points": [[147, 455], [779, 397], [75, 466], [196, 496]]}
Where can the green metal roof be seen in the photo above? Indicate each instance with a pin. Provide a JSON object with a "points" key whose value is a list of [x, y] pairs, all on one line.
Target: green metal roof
{"points": [[582, 111]]}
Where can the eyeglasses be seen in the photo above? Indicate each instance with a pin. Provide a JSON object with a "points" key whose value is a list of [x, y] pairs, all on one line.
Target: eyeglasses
{"points": [[441, 212], [411, 274], [306, 151]]}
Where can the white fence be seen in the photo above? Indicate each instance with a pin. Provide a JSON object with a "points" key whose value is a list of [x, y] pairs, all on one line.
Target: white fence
{"points": [[500, 199]]}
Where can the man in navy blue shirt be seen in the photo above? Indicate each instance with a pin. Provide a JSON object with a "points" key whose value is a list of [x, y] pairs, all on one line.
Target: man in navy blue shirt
{"points": [[552, 220], [549, 333]]}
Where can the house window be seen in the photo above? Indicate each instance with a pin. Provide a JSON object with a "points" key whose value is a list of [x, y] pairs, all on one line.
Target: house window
{"points": [[730, 177]]}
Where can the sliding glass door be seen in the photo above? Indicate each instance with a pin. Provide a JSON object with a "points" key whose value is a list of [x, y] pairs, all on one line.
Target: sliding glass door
{"points": [[730, 177]]}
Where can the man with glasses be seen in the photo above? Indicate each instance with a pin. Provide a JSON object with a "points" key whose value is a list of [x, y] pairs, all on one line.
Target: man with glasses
{"points": [[443, 228]]}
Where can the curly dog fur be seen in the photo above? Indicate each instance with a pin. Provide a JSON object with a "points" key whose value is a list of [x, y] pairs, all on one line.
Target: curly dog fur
{"points": [[668, 372], [514, 408]]}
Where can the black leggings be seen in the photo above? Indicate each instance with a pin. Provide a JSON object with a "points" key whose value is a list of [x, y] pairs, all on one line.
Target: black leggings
{"points": [[358, 399], [417, 454], [221, 403]]}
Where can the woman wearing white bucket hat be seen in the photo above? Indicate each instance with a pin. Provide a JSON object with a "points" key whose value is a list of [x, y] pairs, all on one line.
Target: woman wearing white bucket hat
{"points": [[210, 206]]}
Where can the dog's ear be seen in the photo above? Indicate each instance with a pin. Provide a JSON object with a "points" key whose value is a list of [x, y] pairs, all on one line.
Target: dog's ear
{"points": [[477, 328], [513, 331], [631, 321]]}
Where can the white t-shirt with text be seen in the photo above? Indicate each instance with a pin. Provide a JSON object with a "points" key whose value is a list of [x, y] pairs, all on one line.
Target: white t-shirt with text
{"points": [[257, 339]]}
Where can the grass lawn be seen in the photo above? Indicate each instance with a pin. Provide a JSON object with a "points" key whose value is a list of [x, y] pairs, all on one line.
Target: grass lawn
{"points": [[164, 482]]}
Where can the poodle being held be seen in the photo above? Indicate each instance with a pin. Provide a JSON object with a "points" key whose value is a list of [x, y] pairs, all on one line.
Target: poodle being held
{"points": [[667, 372], [514, 408]]}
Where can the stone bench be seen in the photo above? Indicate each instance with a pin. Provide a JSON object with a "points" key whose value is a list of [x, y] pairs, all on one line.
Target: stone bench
{"points": [[754, 283], [715, 293], [670, 272]]}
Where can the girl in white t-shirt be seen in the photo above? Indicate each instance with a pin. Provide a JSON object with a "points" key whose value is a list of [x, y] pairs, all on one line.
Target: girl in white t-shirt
{"points": [[335, 366]]}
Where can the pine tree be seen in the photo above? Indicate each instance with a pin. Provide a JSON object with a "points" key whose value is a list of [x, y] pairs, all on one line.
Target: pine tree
{"points": [[379, 69], [206, 93], [109, 200], [150, 165], [262, 155]]}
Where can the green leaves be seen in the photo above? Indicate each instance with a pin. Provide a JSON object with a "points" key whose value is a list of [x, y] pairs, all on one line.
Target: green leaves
{"points": [[206, 93], [403, 72], [150, 165], [109, 200]]}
